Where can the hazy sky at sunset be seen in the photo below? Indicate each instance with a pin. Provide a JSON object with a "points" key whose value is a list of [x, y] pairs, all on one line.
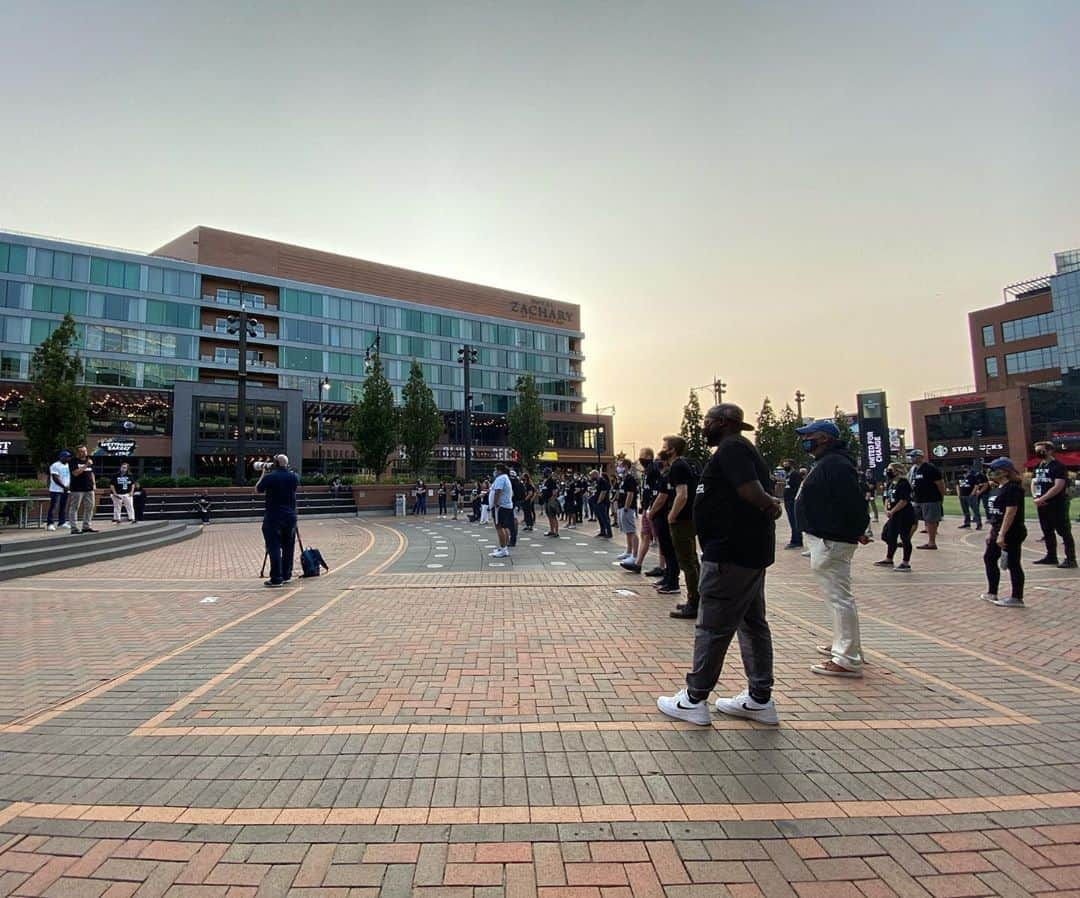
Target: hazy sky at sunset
{"points": [[788, 195]]}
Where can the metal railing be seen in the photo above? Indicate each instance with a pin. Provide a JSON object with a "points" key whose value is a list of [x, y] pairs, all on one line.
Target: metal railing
{"points": [[951, 391]]}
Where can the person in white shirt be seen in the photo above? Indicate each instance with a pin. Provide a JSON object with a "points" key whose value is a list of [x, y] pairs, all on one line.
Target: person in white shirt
{"points": [[59, 487], [501, 500]]}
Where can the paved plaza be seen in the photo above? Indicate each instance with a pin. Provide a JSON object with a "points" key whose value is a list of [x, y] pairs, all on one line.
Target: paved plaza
{"points": [[429, 721]]}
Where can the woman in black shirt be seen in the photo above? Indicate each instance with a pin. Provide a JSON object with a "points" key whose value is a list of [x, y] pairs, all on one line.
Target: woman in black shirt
{"points": [[1007, 533], [528, 504], [899, 518]]}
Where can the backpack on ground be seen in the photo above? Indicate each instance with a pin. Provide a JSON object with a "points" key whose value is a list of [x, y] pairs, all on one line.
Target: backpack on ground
{"points": [[310, 560]]}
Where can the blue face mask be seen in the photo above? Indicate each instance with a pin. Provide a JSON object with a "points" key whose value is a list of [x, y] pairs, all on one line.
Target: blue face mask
{"points": [[808, 445]]}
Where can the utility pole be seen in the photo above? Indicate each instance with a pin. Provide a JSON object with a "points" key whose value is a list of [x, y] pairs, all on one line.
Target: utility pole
{"points": [[243, 326], [466, 358], [606, 408], [718, 390], [799, 397]]}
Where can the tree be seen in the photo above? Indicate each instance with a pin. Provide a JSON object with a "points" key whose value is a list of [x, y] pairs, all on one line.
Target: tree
{"points": [[420, 422], [766, 434], [788, 443], [373, 424], [526, 427], [55, 412], [847, 436], [691, 430]]}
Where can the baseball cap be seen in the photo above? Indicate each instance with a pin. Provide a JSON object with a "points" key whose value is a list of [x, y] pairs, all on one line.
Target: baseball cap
{"points": [[64, 453], [914, 452], [547, 472], [733, 413], [1002, 464], [823, 425]]}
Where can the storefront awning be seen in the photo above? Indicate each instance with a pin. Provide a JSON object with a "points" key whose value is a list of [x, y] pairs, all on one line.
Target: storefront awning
{"points": [[1069, 459]]}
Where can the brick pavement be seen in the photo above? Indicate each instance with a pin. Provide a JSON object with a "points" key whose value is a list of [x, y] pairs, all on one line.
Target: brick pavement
{"points": [[395, 729]]}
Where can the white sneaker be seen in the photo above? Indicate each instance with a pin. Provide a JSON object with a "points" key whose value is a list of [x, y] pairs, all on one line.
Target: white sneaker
{"points": [[66, 525], [680, 707], [625, 556], [989, 596], [501, 553], [1009, 602], [51, 527], [744, 706]]}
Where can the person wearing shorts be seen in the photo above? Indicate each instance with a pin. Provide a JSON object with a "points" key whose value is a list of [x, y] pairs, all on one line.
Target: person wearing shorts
{"points": [[501, 501], [928, 487], [626, 516]]}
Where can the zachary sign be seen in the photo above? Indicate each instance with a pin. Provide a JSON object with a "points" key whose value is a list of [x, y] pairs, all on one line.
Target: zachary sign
{"points": [[539, 311]]}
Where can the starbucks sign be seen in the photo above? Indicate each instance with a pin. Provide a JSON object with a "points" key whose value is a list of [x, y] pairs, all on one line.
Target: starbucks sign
{"points": [[940, 451]]}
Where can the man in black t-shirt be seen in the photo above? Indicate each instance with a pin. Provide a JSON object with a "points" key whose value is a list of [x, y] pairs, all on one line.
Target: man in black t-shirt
{"points": [[1050, 490], [735, 516], [121, 489], [83, 491], [683, 477], [792, 482], [626, 516], [603, 503], [967, 488], [928, 487], [651, 479], [549, 500]]}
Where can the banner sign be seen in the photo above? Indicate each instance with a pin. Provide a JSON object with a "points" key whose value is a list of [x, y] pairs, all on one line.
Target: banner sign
{"points": [[874, 433], [116, 446]]}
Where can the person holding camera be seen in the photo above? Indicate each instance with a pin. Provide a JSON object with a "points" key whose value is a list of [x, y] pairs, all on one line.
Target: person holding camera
{"points": [[279, 484], [82, 491]]}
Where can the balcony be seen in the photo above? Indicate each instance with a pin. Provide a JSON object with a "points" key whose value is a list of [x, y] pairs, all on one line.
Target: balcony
{"points": [[232, 363], [255, 306], [222, 332]]}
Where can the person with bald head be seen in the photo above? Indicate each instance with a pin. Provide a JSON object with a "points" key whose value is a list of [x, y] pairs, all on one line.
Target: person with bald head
{"points": [[734, 516], [279, 485]]}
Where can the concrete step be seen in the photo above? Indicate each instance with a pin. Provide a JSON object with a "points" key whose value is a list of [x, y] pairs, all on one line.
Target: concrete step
{"points": [[24, 557]]}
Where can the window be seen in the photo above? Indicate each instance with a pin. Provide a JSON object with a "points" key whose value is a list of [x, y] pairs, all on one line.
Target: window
{"points": [[1032, 360], [13, 258], [991, 366], [988, 335], [990, 422], [11, 294], [1026, 328], [12, 364]]}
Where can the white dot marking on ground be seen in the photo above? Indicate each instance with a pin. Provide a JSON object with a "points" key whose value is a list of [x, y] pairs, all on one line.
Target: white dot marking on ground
{"points": [[547, 553], [559, 563], [434, 565]]}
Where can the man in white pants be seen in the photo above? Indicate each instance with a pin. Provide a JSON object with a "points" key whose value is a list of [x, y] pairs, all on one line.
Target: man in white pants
{"points": [[831, 512], [121, 491]]}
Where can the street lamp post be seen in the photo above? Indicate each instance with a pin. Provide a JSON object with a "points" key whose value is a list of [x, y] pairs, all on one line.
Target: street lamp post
{"points": [[323, 388], [244, 327], [800, 397], [467, 357], [606, 408]]}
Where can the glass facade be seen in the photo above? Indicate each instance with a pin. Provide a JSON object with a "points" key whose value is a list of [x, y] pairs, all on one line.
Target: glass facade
{"points": [[143, 321], [1025, 328], [990, 422], [1065, 290], [991, 366], [988, 335], [1032, 360]]}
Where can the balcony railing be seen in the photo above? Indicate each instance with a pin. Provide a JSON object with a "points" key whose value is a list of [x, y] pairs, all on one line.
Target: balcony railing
{"points": [[258, 307], [951, 391], [252, 363], [220, 331]]}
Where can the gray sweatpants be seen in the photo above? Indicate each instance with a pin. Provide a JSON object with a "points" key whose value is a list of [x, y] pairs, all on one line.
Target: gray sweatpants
{"points": [[732, 601]]}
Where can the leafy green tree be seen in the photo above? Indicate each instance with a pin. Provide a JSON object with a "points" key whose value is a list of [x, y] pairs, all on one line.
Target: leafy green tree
{"points": [[847, 436], [788, 444], [420, 422], [766, 434], [373, 424], [691, 430], [55, 412], [527, 429]]}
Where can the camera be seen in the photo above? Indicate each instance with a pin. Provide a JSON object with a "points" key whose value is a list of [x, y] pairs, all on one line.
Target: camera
{"points": [[263, 465]]}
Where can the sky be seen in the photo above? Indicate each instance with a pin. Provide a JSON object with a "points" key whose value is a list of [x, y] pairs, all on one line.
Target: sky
{"points": [[785, 195]]}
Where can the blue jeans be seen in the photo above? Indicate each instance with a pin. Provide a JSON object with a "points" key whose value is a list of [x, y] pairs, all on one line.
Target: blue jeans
{"points": [[970, 506], [603, 515], [279, 534], [796, 533], [57, 500]]}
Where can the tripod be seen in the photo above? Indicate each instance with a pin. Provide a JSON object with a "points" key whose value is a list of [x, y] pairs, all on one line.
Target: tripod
{"points": [[266, 555]]}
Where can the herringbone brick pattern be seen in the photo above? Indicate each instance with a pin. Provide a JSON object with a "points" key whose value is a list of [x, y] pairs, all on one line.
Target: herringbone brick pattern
{"points": [[395, 729]]}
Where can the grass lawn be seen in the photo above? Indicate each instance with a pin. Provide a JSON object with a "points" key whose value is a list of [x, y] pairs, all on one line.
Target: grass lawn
{"points": [[952, 506]]}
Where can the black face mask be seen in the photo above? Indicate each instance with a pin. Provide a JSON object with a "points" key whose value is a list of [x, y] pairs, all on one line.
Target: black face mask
{"points": [[1041, 453], [663, 455], [891, 475]]}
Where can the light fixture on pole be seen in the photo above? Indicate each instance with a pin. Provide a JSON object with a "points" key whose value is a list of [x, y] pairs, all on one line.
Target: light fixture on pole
{"points": [[243, 326], [324, 387], [467, 357], [599, 433], [372, 351]]}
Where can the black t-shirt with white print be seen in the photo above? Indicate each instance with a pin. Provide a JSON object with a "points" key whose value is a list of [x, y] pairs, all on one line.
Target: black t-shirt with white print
{"points": [[1043, 480]]}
